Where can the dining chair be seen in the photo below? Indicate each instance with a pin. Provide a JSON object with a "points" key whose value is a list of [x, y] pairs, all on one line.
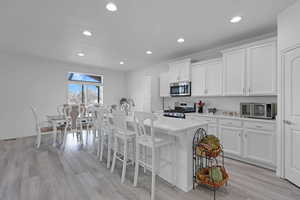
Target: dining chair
{"points": [[146, 139], [121, 134], [41, 127], [75, 115]]}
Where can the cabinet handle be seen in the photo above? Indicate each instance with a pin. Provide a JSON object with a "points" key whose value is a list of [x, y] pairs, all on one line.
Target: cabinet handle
{"points": [[249, 90], [245, 135], [239, 135], [244, 91], [287, 122]]}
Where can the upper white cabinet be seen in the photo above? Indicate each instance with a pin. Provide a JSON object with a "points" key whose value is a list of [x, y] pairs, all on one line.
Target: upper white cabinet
{"points": [[180, 71], [206, 78], [164, 85], [251, 69], [198, 80], [261, 69], [234, 72]]}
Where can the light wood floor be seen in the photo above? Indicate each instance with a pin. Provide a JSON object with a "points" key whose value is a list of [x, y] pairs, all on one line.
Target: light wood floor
{"points": [[50, 174]]}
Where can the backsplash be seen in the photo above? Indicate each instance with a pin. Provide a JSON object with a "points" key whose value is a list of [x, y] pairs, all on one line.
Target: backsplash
{"points": [[222, 104]]}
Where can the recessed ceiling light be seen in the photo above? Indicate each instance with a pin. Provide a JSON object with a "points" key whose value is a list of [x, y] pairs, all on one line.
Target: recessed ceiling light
{"points": [[149, 52], [180, 40], [80, 54], [111, 7], [122, 63], [87, 33], [236, 19]]}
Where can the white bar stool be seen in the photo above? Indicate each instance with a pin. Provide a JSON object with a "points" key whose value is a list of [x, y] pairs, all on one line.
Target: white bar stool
{"points": [[105, 132], [146, 139], [121, 133]]}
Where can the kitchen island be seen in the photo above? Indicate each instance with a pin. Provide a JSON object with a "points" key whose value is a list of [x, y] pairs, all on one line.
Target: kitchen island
{"points": [[180, 172]]}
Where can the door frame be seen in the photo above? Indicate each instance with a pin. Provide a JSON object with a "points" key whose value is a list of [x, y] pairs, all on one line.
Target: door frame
{"points": [[280, 171]]}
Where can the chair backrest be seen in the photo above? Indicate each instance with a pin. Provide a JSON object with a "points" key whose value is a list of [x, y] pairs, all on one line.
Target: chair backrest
{"points": [[73, 114], [119, 121], [101, 114], [140, 118], [35, 115]]}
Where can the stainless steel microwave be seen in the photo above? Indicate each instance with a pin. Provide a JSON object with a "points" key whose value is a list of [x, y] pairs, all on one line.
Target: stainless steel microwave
{"points": [[258, 110], [180, 89]]}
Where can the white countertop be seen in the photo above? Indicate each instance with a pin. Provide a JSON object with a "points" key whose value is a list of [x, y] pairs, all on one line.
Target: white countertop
{"points": [[176, 124], [230, 117], [173, 126]]}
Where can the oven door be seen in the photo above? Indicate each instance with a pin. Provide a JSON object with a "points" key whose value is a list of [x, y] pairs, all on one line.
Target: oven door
{"points": [[180, 89], [259, 110], [245, 110]]}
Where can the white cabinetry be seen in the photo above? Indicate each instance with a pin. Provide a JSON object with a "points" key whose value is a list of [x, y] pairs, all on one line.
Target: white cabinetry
{"points": [[251, 69], [164, 85], [198, 80], [206, 78], [234, 72], [261, 69], [180, 71], [259, 146], [231, 132], [252, 141]]}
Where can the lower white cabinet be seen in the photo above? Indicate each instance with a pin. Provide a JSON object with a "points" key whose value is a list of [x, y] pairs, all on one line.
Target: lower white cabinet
{"points": [[212, 130], [231, 140], [259, 146], [250, 141]]}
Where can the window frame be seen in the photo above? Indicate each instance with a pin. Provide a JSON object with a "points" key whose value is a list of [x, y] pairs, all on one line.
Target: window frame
{"points": [[100, 87]]}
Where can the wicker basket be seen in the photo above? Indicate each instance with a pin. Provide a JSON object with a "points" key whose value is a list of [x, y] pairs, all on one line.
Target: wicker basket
{"points": [[202, 177], [200, 151]]}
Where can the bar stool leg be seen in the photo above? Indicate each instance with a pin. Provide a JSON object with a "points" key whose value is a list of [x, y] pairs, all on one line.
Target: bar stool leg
{"points": [[109, 138], [115, 155], [102, 144], [153, 175], [137, 158], [124, 160]]}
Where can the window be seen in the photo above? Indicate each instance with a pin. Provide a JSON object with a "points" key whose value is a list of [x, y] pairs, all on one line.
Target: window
{"points": [[85, 88]]}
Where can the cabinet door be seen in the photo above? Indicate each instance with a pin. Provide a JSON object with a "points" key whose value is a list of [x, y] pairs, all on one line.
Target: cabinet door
{"points": [[234, 72], [174, 73], [231, 140], [164, 85], [214, 78], [262, 69], [198, 80], [180, 70], [185, 71], [259, 146], [212, 130]]}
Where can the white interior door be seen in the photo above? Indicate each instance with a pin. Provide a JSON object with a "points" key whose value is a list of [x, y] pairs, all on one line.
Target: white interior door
{"points": [[292, 115]]}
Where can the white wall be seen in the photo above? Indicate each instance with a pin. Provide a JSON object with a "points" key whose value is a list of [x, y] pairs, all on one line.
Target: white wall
{"points": [[26, 81], [135, 80], [136, 86]]}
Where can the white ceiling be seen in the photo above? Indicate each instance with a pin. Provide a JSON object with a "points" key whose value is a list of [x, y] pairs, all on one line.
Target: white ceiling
{"points": [[52, 28]]}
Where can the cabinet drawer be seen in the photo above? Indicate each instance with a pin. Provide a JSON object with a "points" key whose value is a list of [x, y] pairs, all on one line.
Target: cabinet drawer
{"points": [[260, 126], [230, 122], [210, 120]]}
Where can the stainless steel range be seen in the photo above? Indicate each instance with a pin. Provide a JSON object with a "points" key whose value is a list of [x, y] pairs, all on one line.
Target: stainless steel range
{"points": [[180, 110]]}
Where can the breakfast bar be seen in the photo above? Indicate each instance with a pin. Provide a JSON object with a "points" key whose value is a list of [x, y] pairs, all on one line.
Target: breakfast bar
{"points": [[182, 131]]}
